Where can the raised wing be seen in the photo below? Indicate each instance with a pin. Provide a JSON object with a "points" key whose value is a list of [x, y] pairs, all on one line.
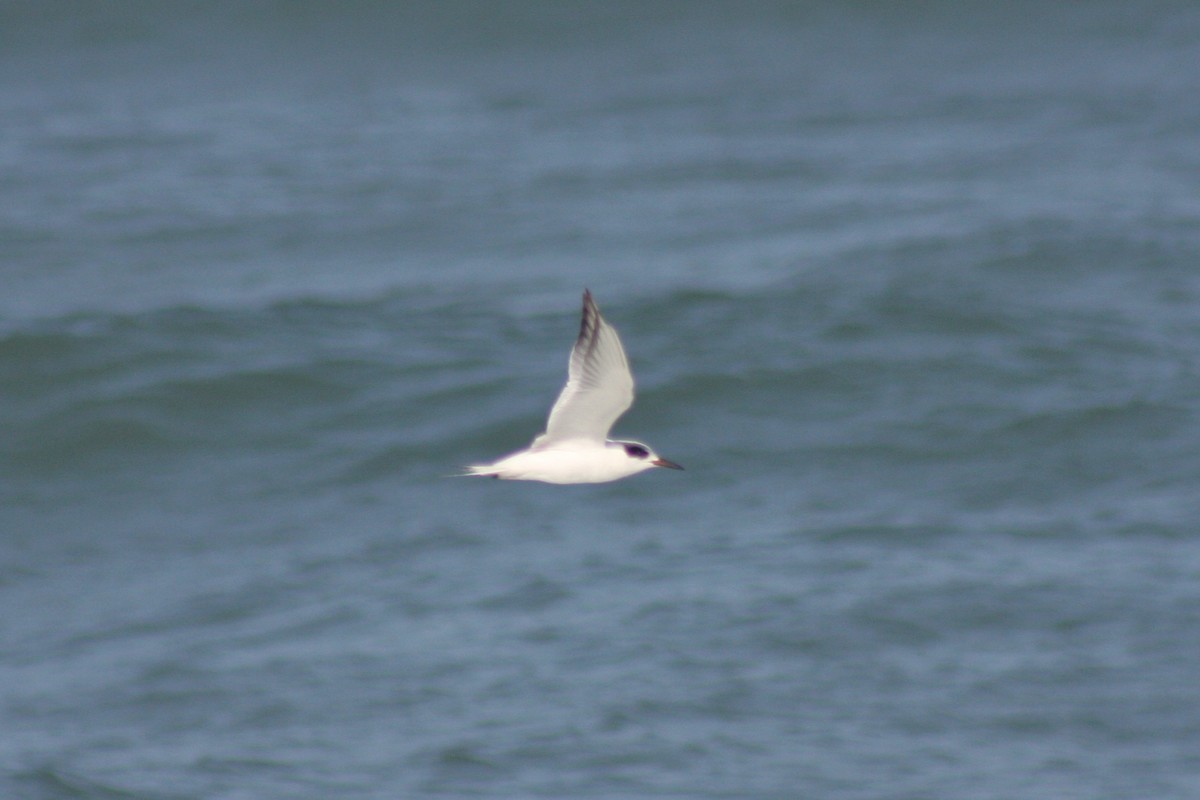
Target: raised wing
{"points": [[599, 384]]}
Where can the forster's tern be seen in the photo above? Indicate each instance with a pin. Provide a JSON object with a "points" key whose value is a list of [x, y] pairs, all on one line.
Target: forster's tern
{"points": [[575, 447]]}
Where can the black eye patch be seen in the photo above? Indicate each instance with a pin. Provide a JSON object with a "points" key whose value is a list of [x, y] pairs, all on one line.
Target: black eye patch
{"points": [[636, 451]]}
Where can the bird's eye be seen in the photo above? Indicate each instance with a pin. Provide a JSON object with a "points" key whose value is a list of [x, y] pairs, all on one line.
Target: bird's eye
{"points": [[636, 451]]}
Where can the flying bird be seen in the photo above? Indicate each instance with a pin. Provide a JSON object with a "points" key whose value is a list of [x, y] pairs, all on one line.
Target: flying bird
{"points": [[575, 447]]}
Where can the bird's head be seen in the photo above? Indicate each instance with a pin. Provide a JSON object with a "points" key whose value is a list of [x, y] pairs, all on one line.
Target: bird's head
{"points": [[640, 453]]}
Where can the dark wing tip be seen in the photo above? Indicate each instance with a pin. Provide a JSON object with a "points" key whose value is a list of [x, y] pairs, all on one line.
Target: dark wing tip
{"points": [[588, 320]]}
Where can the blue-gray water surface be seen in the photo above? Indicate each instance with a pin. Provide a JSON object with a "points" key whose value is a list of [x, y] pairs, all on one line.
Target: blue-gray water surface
{"points": [[912, 290]]}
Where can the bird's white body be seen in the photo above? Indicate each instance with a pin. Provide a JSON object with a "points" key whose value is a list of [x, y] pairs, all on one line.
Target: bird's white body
{"points": [[575, 447], [576, 461]]}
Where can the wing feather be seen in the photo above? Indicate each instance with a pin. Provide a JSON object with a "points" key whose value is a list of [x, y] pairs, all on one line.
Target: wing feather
{"points": [[599, 384]]}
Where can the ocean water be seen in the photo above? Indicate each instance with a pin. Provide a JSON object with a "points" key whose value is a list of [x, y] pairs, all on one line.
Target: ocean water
{"points": [[912, 291]]}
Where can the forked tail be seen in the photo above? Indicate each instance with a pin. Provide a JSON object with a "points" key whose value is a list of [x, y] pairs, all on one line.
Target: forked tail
{"points": [[482, 470]]}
